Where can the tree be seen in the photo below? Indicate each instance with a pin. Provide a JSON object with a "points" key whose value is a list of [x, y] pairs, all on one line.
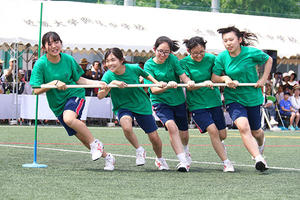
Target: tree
{"points": [[278, 8]]}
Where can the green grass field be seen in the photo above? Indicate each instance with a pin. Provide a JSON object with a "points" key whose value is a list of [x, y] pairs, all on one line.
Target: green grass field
{"points": [[71, 174]]}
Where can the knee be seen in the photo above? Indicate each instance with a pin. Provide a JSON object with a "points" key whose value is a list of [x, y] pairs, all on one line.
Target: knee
{"points": [[257, 133], [68, 121], [172, 127], [222, 135]]}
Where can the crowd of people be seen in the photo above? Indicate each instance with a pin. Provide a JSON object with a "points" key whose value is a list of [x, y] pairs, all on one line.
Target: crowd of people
{"points": [[282, 94]]}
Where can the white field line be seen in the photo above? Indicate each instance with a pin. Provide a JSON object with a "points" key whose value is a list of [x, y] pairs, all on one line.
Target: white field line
{"points": [[150, 158]]}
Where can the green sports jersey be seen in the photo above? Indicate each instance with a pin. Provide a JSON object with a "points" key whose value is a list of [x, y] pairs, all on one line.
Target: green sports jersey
{"points": [[133, 99], [66, 70], [201, 71], [170, 70], [243, 69]]}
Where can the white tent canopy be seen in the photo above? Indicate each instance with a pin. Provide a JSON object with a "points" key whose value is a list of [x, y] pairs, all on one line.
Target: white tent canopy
{"points": [[97, 26]]}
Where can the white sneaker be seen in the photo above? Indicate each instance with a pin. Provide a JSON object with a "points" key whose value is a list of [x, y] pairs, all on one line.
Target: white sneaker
{"points": [[183, 167], [275, 128], [109, 162], [228, 167], [261, 165], [96, 149], [161, 164], [273, 122], [140, 157], [188, 157]]}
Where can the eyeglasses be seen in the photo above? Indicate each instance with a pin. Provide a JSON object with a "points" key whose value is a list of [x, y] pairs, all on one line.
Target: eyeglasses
{"points": [[162, 52], [197, 53]]}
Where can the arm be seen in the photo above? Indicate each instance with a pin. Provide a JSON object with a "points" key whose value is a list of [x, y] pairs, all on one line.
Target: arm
{"points": [[268, 66], [103, 93], [224, 79], [42, 90]]}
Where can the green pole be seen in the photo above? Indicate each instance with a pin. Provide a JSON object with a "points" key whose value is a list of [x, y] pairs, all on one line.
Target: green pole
{"points": [[35, 164]]}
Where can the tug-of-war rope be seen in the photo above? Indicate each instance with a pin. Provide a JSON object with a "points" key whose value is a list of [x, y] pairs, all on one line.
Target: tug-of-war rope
{"points": [[146, 85]]}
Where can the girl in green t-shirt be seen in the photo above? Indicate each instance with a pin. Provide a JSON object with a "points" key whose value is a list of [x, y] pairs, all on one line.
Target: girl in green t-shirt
{"points": [[169, 102], [59, 69], [237, 64], [204, 102], [130, 103]]}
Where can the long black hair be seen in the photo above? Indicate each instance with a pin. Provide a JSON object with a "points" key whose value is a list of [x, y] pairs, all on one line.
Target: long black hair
{"points": [[247, 37], [173, 44]]}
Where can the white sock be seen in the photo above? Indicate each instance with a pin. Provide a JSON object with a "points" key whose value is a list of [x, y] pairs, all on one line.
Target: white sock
{"points": [[186, 148], [94, 142], [160, 159], [259, 158], [226, 161], [181, 157], [140, 149]]}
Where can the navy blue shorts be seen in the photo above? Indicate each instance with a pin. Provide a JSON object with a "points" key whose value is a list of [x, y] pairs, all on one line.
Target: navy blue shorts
{"points": [[75, 104], [146, 122], [177, 113], [253, 114], [205, 117]]}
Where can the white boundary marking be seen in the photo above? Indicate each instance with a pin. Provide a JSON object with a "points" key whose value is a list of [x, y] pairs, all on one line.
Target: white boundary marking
{"points": [[130, 156]]}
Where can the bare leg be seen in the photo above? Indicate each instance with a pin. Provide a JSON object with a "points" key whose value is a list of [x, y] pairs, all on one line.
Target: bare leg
{"points": [[216, 142], [174, 137], [156, 143], [82, 132], [248, 140], [126, 123]]}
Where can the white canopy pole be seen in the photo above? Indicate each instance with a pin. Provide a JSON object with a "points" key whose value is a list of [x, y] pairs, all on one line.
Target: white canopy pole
{"points": [[143, 85]]}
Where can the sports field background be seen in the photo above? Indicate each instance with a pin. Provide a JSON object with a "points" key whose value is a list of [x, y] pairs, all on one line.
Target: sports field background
{"points": [[71, 174]]}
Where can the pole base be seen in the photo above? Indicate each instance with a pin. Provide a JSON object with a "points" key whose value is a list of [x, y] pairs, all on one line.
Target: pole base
{"points": [[34, 165]]}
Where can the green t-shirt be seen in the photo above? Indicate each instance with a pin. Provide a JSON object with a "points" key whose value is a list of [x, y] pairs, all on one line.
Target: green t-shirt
{"points": [[66, 70], [201, 71], [243, 69], [133, 99], [170, 70]]}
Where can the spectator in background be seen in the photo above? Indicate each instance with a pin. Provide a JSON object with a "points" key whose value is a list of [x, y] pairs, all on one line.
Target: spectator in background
{"points": [[87, 74], [285, 79], [97, 71], [141, 64], [270, 107], [280, 93], [293, 77], [295, 100], [286, 109], [276, 81], [97, 74], [105, 68]]}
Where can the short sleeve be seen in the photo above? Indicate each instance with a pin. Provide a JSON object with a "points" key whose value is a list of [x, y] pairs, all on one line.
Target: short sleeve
{"points": [[37, 75], [218, 68], [77, 71], [260, 57]]}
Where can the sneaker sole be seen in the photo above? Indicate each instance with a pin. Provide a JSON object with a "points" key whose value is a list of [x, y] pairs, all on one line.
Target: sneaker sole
{"points": [[182, 169], [140, 164], [260, 166]]}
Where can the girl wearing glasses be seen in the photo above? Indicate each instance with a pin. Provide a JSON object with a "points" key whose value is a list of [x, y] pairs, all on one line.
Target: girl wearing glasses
{"points": [[169, 102], [130, 103], [204, 102], [237, 64]]}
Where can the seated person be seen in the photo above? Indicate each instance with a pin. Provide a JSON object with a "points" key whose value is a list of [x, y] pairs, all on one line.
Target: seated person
{"points": [[270, 107], [295, 100], [286, 109]]}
